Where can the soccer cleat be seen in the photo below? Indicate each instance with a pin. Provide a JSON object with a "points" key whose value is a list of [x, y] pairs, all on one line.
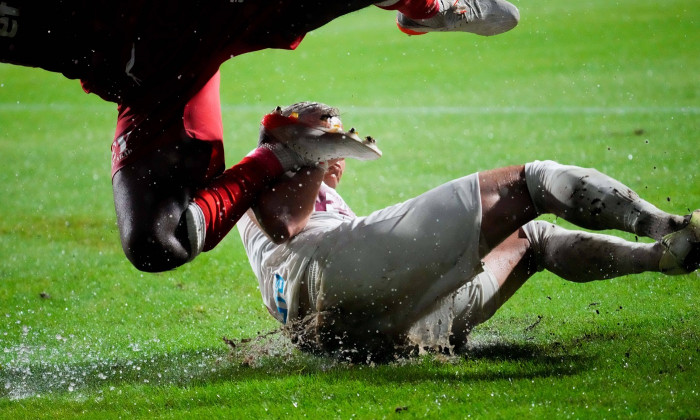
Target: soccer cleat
{"points": [[682, 253], [481, 17], [315, 133]]}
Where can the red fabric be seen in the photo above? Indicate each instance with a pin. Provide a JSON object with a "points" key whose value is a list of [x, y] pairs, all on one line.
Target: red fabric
{"points": [[409, 31], [229, 196], [202, 115], [171, 48], [416, 9], [139, 132], [202, 120], [273, 120]]}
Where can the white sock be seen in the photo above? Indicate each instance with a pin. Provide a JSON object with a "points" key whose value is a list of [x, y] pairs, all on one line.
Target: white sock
{"points": [[287, 157], [196, 229], [593, 200], [583, 256]]}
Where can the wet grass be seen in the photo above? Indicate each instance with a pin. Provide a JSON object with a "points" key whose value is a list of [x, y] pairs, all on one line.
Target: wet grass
{"points": [[608, 85]]}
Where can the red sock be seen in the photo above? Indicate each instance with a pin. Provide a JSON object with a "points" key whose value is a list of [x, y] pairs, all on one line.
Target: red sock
{"points": [[415, 9], [230, 195]]}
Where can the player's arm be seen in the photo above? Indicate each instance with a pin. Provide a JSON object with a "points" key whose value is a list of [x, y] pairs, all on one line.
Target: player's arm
{"points": [[284, 209]]}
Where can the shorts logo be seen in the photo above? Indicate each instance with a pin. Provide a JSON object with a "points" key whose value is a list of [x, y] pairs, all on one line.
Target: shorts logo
{"points": [[8, 21], [120, 148], [279, 300]]}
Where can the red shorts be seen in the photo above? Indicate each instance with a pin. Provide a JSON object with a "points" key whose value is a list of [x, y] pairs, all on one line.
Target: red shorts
{"points": [[200, 118]]}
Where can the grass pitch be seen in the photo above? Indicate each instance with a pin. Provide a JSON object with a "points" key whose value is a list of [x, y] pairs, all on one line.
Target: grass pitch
{"points": [[612, 85]]}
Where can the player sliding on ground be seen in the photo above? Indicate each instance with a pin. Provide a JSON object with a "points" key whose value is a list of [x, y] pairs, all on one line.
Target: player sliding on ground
{"points": [[159, 61], [428, 270]]}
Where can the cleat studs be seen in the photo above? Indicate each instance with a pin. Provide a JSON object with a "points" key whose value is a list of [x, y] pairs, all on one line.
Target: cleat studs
{"points": [[370, 139], [278, 110], [352, 130]]}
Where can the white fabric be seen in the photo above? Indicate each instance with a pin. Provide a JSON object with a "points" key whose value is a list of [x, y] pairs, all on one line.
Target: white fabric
{"points": [[580, 256], [281, 268], [457, 313], [393, 265], [590, 199]]}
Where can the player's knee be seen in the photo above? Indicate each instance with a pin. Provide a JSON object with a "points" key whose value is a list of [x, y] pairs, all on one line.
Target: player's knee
{"points": [[152, 251]]}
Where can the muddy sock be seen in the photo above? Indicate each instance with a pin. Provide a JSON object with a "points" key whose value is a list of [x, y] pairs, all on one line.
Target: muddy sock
{"points": [[583, 256], [593, 200]]}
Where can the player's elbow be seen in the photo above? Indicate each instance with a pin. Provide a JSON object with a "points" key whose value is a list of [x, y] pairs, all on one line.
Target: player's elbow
{"points": [[280, 224], [282, 233], [281, 229]]}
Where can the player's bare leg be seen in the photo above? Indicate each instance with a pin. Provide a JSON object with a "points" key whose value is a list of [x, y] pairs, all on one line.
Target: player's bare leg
{"points": [[514, 195], [505, 204], [575, 256], [512, 263]]}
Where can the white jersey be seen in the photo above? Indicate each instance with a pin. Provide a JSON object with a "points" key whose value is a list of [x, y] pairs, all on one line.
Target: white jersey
{"points": [[279, 268], [413, 267]]}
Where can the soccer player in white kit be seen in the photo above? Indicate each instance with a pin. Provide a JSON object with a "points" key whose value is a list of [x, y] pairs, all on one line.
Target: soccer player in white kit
{"points": [[426, 271]]}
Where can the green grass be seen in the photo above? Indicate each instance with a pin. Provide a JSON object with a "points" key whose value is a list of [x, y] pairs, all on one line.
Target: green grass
{"points": [[612, 85]]}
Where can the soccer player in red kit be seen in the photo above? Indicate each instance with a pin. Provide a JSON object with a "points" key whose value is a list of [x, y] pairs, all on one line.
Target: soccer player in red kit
{"points": [[159, 61]]}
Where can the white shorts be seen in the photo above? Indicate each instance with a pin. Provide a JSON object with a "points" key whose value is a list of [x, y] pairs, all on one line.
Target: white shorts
{"points": [[452, 318], [392, 267]]}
